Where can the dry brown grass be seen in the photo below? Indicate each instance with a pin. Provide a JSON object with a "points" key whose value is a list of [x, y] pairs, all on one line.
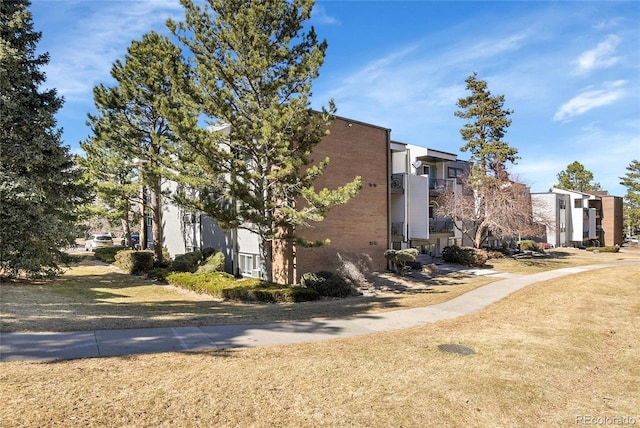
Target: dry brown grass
{"points": [[561, 258], [91, 296], [544, 355]]}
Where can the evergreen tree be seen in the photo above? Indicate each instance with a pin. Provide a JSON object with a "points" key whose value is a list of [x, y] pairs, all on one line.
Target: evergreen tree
{"points": [[130, 131], [39, 190], [631, 180], [118, 191], [577, 178], [488, 121], [488, 201], [253, 68]]}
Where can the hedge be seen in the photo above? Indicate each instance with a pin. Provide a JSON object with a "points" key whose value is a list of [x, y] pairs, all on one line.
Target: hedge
{"points": [[135, 262], [107, 254], [607, 249], [224, 286], [326, 283], [465, 256], [188, 262]]}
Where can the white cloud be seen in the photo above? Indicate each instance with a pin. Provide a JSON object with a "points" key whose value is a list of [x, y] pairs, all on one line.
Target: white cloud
{"points": [[93, 43], [320, 16], [590, 99], [602, 56]]}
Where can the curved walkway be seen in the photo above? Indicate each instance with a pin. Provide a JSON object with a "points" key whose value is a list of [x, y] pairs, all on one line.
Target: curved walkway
{"points": [[43, 346]]}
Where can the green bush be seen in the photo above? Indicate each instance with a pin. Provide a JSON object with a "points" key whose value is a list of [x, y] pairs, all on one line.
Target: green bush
{"points": [[402, 258], [107, 254], [464, 256], [328, 284], [208, 252], [213, 263], [224, 285], [188, 262], [159, 274], [135, 262], [607, 249], [528, 245]]}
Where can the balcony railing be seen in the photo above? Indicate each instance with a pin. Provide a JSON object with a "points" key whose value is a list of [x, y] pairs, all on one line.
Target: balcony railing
{"points": [[439, 185], [440, 226]]}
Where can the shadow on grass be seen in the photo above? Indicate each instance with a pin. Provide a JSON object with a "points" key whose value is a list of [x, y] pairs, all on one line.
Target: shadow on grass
{"points": [[114, 300]]}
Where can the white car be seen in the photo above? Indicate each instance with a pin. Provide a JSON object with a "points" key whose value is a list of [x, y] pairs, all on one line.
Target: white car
{"points": [[98, 240]]}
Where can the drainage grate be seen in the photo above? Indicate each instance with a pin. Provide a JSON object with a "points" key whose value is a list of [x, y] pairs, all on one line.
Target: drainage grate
{"points": [[456, 349]]}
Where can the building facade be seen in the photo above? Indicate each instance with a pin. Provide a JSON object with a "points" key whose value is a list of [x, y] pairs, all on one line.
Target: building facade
{"points": [[574, 219], [395, 208]]}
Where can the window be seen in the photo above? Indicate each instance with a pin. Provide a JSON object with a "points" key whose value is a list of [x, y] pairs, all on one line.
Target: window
{"points": [[577, 203], [454, 172], [562, 203], [248, 263]]}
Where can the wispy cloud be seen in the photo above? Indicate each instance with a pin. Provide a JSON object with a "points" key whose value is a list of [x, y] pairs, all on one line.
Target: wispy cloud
{"points": [[590, 99], [321, 17], [85, 60], [602, 56]]}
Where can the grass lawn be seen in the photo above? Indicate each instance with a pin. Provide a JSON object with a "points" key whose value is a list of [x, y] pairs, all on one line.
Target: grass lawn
{"points": [[545, 356], [94, 296]]}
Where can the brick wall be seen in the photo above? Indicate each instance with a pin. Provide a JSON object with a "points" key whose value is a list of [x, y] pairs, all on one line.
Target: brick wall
{"points": [[357, 230], [612, 221]]}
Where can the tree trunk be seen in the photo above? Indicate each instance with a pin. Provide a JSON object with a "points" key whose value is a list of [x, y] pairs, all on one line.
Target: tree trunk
{"points": [[266, 261], [156, 212]]}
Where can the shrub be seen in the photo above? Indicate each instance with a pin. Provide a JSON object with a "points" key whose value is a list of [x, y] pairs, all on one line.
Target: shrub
{"points": [[224, 285], [159, 274], [328, 284], [208, 252], [107, 254], [135, 262], [213, 263], [527, 245], [607, 249], [464, 256], [259, 291], [402, 258], [187, 262], [494, 254]]}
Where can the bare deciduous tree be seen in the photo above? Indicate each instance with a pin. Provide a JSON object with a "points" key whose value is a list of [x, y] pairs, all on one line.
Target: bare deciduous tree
{"points": [[500, 207]]}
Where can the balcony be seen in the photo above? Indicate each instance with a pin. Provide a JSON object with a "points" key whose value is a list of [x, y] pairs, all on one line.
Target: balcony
{"points": [[438, 186], [440, 226]]}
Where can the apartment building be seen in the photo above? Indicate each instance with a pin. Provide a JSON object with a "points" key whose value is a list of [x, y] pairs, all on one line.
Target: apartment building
{"points": [[573, 218], [419, 176], [396, 208]]}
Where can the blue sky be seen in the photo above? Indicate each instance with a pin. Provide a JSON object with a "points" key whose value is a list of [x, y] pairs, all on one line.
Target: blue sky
{"points": [[569, 70]]}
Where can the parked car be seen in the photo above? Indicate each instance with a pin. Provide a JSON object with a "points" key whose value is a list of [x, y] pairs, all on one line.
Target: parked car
{"points": [[98, 240], [135, 240]]}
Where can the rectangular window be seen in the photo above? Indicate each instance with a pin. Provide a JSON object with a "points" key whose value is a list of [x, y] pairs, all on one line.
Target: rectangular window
{"points": [[577, 203], [454, 172], [562, 203], [248, 264]]}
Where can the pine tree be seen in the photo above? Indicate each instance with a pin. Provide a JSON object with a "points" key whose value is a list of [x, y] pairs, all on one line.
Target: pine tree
{"points": [[631, 180], [253, 68], [39, 190], [130, 131], [489, 200], [577, 177], [484, 134]]}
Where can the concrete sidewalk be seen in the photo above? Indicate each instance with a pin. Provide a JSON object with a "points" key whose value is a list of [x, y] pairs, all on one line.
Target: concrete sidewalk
{"points": [[43, 346]]}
